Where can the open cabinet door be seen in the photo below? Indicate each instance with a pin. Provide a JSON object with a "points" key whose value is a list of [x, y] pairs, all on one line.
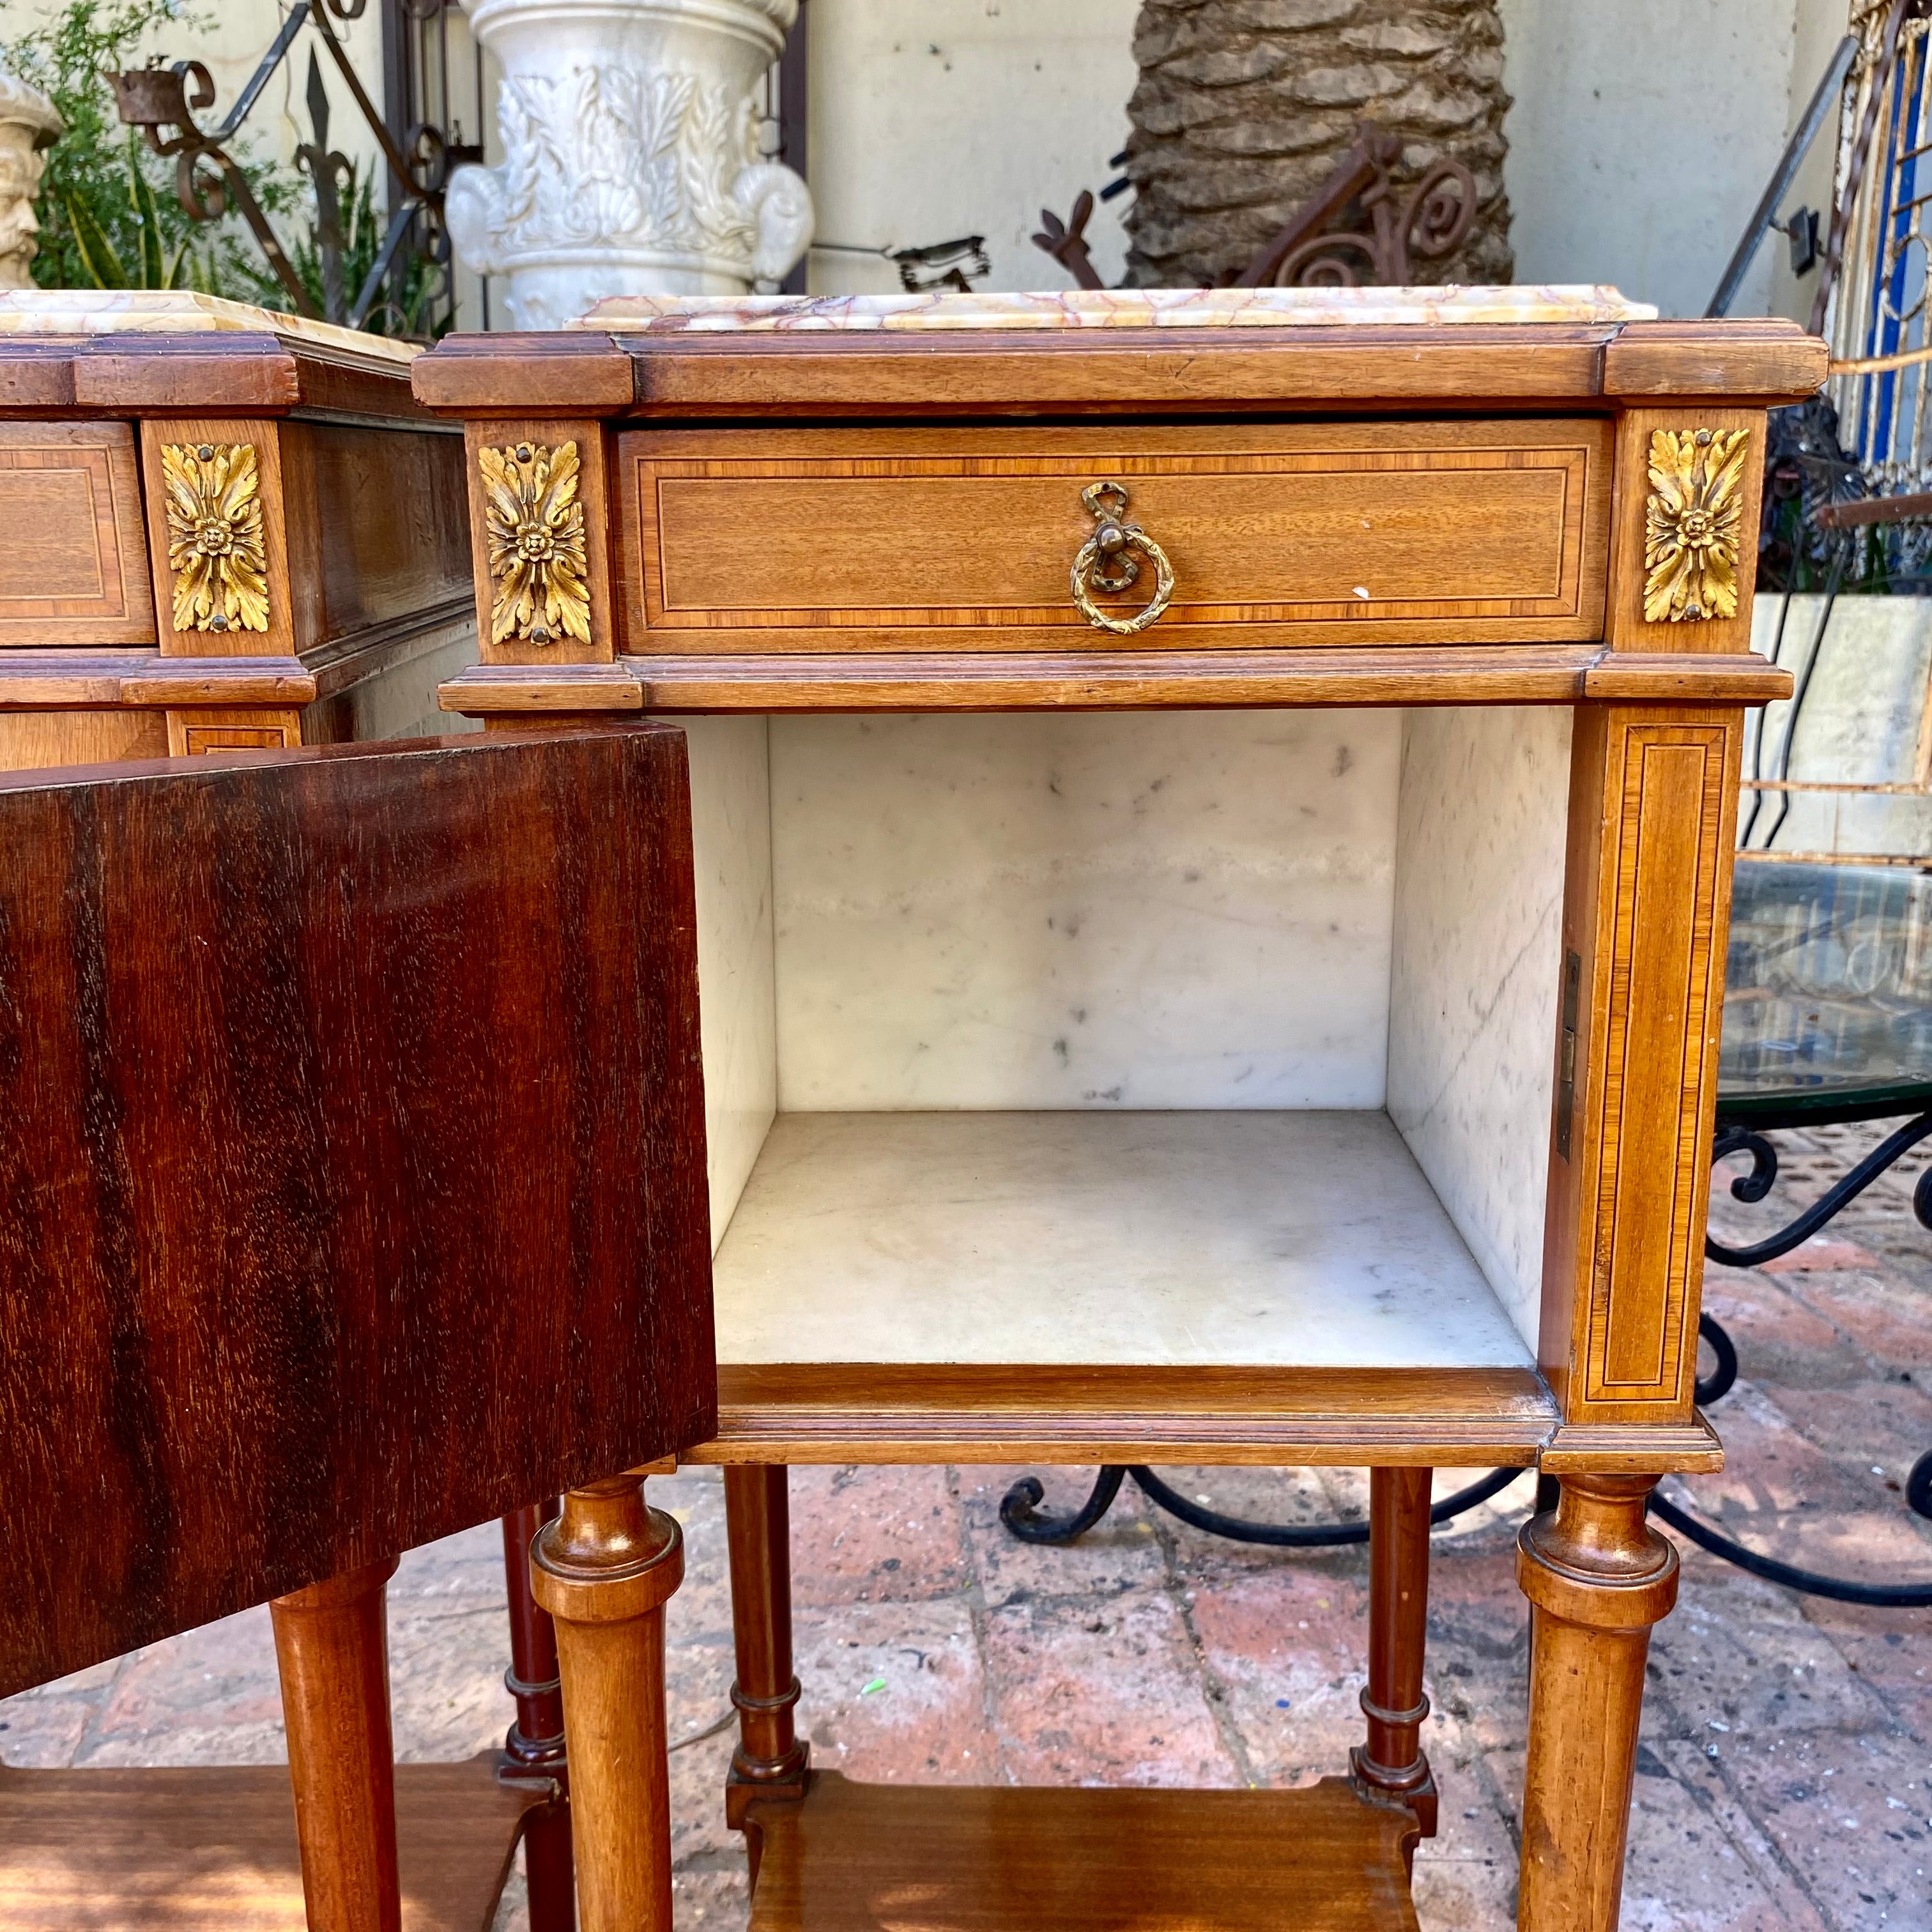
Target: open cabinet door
{"points": [[352, 1163]]}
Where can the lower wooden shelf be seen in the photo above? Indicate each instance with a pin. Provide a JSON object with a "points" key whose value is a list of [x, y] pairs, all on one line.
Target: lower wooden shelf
{"points": [[214, 1850], [861, 1857]]}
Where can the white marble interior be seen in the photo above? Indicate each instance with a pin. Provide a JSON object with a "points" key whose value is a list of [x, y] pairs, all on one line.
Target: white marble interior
{"points": [[1134, 910], [1474, 988], [731, 847], [1427, 307], [400, 701], [1037, 919], [1159, 1239]]}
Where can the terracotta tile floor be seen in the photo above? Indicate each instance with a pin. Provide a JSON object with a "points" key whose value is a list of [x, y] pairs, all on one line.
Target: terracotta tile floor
{"points": [[1786, 1775]]}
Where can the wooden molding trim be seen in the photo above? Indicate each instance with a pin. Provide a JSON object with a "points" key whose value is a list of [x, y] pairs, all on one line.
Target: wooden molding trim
{"points": [[218, 372], [867, 1412], [1143, 680], [97, 680], [1641, 1449], [488, 690], [1016, 372]]}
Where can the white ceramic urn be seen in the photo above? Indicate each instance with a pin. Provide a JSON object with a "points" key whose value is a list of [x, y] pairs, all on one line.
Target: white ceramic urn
{"points": [[631, 162]]}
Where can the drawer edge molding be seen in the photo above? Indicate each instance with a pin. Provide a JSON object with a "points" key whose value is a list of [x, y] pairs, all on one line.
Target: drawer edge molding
{"points": [[89, 680], [488, 690], [1019, 680]]}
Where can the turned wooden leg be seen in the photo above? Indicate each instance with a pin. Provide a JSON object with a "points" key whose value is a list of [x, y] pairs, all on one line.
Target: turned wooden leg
{"points": [[604, 1571], [535, 1747], [1392, 1763], [1597, 1576], [770, 1760], [331, 1649]]}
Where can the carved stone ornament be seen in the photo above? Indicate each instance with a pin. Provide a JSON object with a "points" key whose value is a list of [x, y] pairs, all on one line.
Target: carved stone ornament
{"points": [[1692, 520], [631, 160], [215, 547], [534, 520], [28, 124]]}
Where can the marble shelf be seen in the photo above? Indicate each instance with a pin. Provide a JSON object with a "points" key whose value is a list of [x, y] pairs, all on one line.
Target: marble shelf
{"points": [[1171, 1241]]}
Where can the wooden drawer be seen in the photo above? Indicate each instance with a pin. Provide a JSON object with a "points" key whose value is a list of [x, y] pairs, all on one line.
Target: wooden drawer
{"points": [[73, 563], [839, 539]]}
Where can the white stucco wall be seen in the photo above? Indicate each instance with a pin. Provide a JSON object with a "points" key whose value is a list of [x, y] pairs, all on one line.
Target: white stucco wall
{"points": [[932, 119], [1644, 131]]}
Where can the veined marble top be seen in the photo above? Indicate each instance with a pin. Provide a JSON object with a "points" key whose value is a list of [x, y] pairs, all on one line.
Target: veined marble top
{"points": [[1175, 1239], [176, 312], [1115, 308]]}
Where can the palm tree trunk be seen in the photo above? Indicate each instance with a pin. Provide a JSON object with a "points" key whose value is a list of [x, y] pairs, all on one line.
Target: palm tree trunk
{"points": [[1243, 107]]}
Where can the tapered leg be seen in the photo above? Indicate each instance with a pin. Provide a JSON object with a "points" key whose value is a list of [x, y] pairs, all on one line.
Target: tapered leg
{"points": [[1597, 1576], [770, 1760], [1392, 1763], [604, 1571], [535, 1747], [331, 1648]]}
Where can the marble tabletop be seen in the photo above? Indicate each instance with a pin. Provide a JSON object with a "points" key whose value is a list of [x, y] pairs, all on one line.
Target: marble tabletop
{"points": [[176, 312], [1115, 308]]}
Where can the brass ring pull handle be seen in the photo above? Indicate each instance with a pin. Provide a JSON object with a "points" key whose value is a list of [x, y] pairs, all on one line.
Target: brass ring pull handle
{"points": [[1107, 562]]}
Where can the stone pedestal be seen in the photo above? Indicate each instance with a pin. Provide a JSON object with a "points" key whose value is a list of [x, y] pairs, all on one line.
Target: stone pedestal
{"points": [[28, 124], [631, 162]]}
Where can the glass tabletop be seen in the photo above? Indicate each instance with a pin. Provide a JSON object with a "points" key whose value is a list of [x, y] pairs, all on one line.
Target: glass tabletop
{"points": [[1828, 1009]]}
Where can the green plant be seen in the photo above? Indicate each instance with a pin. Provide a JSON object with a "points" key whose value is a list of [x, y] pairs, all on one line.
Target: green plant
{"points": [[110, 216], [405, 304]]}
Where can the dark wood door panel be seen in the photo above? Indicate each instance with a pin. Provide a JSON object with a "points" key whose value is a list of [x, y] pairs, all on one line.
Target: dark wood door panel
{"points": [[352, 1163]]}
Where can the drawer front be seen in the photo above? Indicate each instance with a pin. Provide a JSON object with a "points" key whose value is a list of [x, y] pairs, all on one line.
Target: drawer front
{"points": [[808, 540], [73, 563]]}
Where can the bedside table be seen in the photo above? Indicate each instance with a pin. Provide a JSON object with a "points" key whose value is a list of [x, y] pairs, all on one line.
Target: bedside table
{"points": [[1213, 816]]}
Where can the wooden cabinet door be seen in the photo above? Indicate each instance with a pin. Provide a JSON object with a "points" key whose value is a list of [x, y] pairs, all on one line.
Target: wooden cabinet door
{"points": [[351, 1162]]}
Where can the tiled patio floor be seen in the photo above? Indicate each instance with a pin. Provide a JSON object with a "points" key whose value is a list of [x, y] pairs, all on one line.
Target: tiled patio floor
{"points": [[1786, 1777]]}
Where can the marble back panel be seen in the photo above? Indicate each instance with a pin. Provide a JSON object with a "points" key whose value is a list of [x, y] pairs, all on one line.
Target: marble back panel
{"points": [[1129, 909]]}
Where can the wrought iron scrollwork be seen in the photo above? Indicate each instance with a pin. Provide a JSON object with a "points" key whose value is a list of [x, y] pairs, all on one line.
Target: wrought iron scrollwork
{"points": [[1754, 1186], [1382, 232], [1020, 1512], [164, 103]]}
